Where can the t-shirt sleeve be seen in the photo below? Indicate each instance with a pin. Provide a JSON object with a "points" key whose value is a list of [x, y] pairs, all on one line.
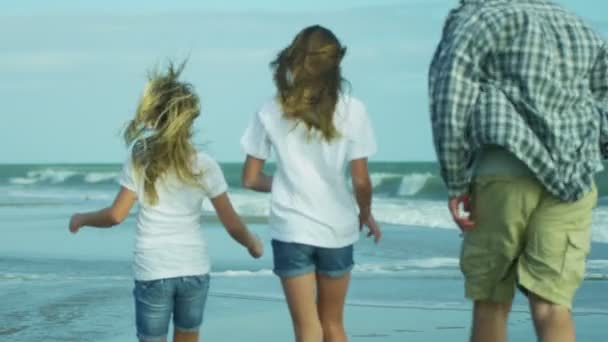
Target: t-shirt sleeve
{"points": [[214, 182], [255, 141], [127, 178], [362, 138]]}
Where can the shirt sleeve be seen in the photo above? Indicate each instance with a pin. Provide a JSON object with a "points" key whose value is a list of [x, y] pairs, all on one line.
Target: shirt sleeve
{"points": [[363, 140], [126, 178], [255, 141], [454, 87], [214, 182], [599, 88]]}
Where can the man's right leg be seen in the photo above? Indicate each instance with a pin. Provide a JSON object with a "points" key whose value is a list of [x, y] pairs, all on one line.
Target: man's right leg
{"points": [[553, 322], [552, 266]]}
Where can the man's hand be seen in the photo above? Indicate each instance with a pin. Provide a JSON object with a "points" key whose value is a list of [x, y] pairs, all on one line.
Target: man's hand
{"points": [[465, 223]]}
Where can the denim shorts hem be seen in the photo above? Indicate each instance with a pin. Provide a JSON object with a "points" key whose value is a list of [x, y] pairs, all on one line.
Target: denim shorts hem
{"points": [[143, 338], [336, 273], [188, 330], [294, 272]]}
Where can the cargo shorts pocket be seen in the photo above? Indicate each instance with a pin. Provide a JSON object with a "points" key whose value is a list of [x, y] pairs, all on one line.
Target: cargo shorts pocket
{"points": [[577, 249]]}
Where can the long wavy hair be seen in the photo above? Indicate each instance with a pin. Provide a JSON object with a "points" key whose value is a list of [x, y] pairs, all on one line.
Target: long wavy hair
{"points": [[161, 130], [309, 80]]}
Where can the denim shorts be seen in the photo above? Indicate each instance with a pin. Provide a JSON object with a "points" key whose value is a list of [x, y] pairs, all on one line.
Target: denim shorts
{"points": [[157, 300], [294, 259]]}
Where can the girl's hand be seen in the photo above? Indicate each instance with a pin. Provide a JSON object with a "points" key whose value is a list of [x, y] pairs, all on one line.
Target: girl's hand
{"points": [[75, 223], [256, 249], [373, 227]]}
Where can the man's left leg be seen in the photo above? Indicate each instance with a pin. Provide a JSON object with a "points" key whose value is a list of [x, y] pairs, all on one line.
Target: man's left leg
{"points": [[490, 321], [501, 208]]}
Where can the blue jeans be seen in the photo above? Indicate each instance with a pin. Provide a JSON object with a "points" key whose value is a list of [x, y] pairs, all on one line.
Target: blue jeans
{"points": [[157, 300], [295, 259]]}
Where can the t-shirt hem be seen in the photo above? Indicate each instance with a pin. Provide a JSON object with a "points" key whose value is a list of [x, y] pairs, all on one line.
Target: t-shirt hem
{"points": [[127, 186], [168, 275], [344, 241], [255, 154], [362, 155], [217, 192]]}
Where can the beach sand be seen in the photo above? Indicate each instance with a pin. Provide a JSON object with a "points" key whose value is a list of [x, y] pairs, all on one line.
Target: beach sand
{"points": [[240, 319], [58, 287]]}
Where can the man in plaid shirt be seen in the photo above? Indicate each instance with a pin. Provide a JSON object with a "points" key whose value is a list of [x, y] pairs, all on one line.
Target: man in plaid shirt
{"points": [[519, 103]]}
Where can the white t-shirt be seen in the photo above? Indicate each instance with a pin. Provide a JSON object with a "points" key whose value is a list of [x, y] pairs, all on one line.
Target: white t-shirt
{"points": [[169, 242], [311, 201]]}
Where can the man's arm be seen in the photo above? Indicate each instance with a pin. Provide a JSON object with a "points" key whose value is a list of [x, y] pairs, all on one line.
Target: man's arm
{"points": [[454, 89], [455, 78], [454, 85], [599, 87]]}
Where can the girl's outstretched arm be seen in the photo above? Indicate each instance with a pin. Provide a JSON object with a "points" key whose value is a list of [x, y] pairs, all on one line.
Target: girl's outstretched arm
{"points": [[235, 227], [107, 217], [254, 177]]}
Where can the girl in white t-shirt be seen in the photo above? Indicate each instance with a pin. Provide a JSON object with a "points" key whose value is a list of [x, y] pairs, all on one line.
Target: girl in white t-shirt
{"points": [[317, 133], [169, 180]]}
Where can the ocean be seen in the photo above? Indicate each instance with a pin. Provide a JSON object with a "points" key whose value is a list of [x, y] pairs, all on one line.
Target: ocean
{"points": [[410, 194], [58, 287]]}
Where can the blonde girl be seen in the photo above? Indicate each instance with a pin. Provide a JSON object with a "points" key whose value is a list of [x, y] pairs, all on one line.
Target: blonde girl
{"points": [[169, 180]]}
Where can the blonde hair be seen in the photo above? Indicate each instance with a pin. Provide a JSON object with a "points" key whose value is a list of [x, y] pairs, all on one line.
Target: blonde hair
{"points": [[308, 78], [161, 130]]}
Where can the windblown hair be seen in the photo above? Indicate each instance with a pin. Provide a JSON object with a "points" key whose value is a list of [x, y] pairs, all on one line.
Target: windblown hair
{"points": [[308, 78], [161, 131]]}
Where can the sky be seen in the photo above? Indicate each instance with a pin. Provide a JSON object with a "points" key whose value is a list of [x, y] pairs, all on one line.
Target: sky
{"points": [[71, 71]]}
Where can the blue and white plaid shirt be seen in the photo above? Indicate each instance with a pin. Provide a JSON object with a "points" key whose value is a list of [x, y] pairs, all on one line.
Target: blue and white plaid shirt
{"points": [[526, 75]]}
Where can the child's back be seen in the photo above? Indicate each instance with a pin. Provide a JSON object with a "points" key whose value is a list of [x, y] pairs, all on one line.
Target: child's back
{"points": [[169, 241], [310, 188]]}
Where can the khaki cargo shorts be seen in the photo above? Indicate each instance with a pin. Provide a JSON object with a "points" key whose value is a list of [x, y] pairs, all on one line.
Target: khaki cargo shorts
{"points": [[525, 237]]}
